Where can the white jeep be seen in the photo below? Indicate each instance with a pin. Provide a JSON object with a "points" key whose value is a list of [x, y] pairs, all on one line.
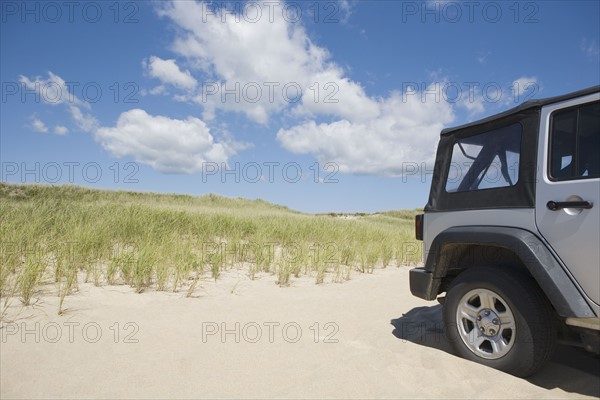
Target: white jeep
{"points": [[511, 233]]}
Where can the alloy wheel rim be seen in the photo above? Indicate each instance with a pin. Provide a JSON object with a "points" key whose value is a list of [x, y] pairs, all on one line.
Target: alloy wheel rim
{"points": [[486, 324]]}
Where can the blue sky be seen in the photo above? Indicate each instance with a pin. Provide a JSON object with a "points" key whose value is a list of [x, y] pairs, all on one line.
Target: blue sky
{"points": [[319, 106]]}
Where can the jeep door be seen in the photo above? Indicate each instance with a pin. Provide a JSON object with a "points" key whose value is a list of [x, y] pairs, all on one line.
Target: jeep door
{"points": [[568, 187]]}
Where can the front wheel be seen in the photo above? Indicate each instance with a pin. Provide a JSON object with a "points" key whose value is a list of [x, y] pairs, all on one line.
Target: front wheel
{"points": [[499, 317]]}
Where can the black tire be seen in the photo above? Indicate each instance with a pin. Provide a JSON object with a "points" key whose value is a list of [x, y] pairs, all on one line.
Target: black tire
{"points": [[524, 343]]}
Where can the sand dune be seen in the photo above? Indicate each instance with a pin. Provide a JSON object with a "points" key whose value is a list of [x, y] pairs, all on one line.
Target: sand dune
{"points": [[365, 338]]}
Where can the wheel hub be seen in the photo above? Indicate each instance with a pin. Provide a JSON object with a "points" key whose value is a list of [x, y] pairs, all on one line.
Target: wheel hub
{"points": [[488, 322]]}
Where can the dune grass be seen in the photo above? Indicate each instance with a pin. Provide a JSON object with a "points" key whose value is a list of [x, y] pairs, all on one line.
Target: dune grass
{"points": [[68, 234]]}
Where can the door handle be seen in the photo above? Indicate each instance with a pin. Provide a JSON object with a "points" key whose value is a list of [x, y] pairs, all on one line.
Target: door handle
{"points": [[559, 205]]}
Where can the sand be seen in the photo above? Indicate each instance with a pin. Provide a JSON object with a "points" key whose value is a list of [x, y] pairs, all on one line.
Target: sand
{"points": [[365, 338]]}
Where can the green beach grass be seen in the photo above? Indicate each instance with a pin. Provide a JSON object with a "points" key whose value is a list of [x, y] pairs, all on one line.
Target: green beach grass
{"points": [[63, 235]]}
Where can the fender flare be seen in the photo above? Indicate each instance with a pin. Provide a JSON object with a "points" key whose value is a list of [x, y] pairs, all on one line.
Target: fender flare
{"points": [[551, 276]]}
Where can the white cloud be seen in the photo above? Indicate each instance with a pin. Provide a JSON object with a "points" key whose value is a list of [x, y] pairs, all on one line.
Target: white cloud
{"points": [[60, 130], [521, 89], [84, 121], [590, 48], [168, 72], [38, 125], [474, 105], [53, 90], [472, 101], [482, 57], [367, 135], [524, 84], [364, 134], [334, 94], [272, 54], [167, 145], [345, 9], [406, 130], [493, 96]]}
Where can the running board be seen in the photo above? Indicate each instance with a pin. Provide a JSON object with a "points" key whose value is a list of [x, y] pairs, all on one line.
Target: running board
{"points": [[588, 323]]}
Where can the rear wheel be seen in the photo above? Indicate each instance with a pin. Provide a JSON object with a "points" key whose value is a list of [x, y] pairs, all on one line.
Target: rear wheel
{"points": [[500, 318]]}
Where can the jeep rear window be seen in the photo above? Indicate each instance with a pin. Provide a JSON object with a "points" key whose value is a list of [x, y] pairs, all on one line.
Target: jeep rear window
{"points": [[575, 143], [486, 160]]}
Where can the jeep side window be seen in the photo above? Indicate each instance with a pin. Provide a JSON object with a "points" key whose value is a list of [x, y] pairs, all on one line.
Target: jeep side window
{"points": [[575, 143], [485, 161]]}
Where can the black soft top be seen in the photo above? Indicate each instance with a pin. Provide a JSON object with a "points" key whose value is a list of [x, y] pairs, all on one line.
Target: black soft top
{"points": [[535, 103], [522, 194]]}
